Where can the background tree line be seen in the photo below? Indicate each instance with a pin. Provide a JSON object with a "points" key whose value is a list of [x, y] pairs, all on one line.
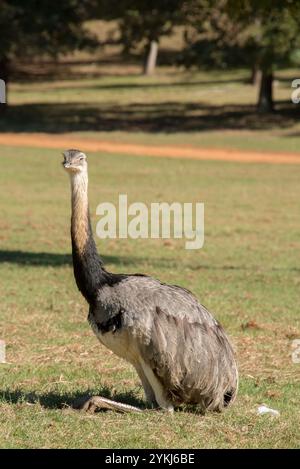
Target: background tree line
{"points": [[260, 35]]}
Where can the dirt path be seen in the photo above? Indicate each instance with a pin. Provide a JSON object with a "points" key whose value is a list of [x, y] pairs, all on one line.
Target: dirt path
{"points": [[64, 141]]}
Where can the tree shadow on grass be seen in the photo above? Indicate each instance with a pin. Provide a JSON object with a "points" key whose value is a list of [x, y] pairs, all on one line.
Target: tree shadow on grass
{"points": [[109, 66], [55, 400], [47, 259], [154, 85], [35, 258], [159, 117], [75, 70]]}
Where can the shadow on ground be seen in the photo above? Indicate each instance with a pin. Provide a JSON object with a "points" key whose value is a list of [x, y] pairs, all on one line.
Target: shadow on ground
{"points": [[53, 400], [47, 259], [109, 66], [167, 117]]}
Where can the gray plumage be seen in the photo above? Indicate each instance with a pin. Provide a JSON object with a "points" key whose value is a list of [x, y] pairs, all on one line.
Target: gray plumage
{"points": [[166, 327]]}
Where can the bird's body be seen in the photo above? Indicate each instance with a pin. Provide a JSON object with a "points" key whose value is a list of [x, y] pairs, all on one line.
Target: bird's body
{"points": [[163, 330], [180, 352]]}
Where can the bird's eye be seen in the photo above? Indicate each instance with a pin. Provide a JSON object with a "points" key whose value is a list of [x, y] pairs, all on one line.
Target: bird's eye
{"points": [[81, 158]]}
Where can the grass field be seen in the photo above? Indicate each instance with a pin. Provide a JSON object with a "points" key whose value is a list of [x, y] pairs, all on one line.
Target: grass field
{"points": [[247, 273]]}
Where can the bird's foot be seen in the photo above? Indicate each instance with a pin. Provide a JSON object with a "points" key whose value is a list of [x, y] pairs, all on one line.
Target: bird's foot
{"points": [[94, 403], [168, 408], [152, 405]]}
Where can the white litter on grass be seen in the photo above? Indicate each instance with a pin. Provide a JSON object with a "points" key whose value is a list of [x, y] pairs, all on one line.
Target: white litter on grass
{"points": [[263, 409], [2, 351]]}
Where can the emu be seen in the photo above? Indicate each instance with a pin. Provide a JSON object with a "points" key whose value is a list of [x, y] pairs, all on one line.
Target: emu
{"points": [[180, 352]]}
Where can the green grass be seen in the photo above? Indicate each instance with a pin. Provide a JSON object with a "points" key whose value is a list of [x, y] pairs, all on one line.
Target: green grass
{"points": [[247, 273], [208, 109]]}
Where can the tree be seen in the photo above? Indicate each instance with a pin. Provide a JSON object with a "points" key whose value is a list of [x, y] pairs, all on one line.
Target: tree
{"points": [[143, 23], [33, 27], [262, 35], [280, 33], [212, 39], [273, 42]]}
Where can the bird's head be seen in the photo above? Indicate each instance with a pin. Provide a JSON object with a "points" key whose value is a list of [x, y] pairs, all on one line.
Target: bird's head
{"points": [[74, 161]]}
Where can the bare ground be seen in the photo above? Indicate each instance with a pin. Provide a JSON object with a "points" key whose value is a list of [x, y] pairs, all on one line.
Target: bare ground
{"points": [[65, 141]]}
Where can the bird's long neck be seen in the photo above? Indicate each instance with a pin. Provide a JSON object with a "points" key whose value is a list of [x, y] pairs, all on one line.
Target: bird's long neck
{"points": [[88, 269]]}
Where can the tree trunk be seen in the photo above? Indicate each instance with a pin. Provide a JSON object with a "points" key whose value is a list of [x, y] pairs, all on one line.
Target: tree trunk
{"points": [[151, 58], [255, 78], [3, 76], [2, 92], [265, 99]]}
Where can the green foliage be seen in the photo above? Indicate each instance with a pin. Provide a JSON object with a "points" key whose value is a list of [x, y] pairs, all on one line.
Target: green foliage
{"points": [[225, 33], [33, 27], [212, 38], [143, 21], [279, 37]]}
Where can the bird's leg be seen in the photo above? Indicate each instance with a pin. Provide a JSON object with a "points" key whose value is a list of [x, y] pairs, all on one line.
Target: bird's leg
{"points": [[149, 393], [156, 386], [93, 403]]}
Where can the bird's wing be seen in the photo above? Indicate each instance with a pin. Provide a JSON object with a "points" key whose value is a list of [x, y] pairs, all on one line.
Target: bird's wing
{"points": [[177, 336]]}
